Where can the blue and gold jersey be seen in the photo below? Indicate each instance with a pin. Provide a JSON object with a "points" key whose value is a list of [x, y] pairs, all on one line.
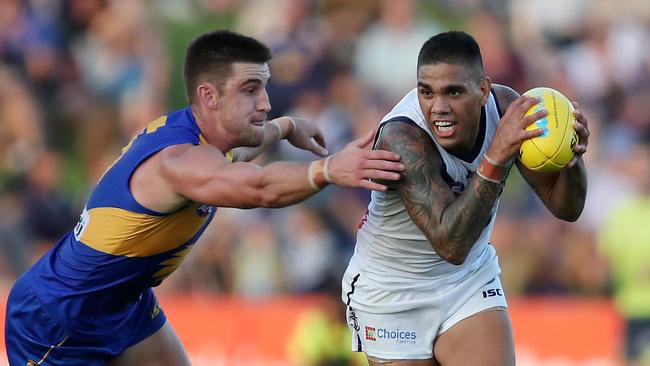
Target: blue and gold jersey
{"points": [[93, 276]]}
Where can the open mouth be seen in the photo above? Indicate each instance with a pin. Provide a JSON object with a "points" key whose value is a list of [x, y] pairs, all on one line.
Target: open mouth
{"points": [[444, 128]]}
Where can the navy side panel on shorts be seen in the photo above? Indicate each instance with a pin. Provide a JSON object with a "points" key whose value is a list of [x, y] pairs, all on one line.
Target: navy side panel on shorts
{"points": [[32, 334]]}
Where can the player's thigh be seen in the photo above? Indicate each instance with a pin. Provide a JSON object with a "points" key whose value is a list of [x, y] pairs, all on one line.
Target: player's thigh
{"points": [[483, 339], [163, 348], [373, 361]]}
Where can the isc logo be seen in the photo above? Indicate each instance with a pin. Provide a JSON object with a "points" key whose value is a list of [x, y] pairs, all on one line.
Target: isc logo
{"points": [[492, 292]]}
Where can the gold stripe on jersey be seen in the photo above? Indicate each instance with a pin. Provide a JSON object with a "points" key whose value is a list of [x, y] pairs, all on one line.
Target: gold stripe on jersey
{"points": [[120, 232], [171, 264], [156, 124], [151, 127]]}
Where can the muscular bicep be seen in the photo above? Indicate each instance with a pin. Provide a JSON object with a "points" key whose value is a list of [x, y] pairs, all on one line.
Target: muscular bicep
{"points": [[422, 189], [203, 174]]}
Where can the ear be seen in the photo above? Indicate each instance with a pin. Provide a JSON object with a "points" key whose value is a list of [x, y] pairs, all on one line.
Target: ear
{"points": [[485, 84], [208, 95]]}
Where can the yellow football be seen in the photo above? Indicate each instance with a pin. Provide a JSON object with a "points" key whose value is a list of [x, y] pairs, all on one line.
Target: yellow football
{"points": [[552, 150]]}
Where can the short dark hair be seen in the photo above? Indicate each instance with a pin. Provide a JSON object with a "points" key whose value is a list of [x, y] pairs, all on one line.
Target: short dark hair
{"points": [[453, 47], [212, 54]]}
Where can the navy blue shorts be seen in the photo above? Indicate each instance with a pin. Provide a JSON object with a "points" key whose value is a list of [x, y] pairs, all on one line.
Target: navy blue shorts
{"points": [[34, 337]]}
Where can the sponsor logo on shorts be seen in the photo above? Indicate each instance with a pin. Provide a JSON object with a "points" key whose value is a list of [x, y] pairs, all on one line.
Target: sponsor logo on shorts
{"points": [[392, 335], [492, 292], [354, 322], [155, 311], [370, 333]]}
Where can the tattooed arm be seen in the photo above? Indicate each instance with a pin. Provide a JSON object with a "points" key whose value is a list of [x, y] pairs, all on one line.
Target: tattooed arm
{"points": [[451, 224], [563, 192]]}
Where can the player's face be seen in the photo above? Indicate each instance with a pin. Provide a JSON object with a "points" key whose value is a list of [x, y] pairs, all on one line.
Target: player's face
{"points": [[244, 103], [451, 97]]}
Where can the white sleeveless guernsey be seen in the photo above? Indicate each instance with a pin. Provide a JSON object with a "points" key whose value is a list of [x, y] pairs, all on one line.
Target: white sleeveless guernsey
{"points": [[391, 252]]}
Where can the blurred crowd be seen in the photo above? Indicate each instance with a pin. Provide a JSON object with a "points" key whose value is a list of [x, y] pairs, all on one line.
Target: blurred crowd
{"points": [[78, 78]]}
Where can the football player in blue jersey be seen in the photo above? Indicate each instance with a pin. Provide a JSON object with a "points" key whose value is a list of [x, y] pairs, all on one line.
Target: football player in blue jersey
{"points": [[89, 300]]}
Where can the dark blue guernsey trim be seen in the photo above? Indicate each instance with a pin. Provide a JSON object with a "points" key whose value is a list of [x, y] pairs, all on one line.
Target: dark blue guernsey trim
{"points": [[496, 101]]}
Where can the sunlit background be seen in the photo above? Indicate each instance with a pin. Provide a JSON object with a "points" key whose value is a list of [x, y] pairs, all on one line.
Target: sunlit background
{"points": [[78, 78]]}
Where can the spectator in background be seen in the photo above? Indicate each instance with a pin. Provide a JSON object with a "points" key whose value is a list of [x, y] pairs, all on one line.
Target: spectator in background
{"points": [[296, 40], [15, 236], [256, 262], [21, 144], [309, 252], [48, 211], [398, 32], [21, 129], [625, 241], [122, 69], [499, 58], [31, 40]]}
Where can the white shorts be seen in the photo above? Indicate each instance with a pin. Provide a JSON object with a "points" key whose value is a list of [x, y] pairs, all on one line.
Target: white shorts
{"points": [[409, 334]]}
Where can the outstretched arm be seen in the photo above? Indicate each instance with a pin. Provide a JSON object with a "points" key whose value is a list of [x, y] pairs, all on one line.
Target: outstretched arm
{"points": [[202, 174], [300, 132], [562, 192]]}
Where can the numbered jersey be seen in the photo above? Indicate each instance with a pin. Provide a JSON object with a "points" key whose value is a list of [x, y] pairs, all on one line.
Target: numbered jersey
{"points": [[391, 251], [94, 275]]}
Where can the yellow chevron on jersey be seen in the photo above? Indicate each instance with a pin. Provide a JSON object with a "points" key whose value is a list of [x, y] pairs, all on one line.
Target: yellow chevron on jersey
{"points": [[116, 231], [171, 264], [153, 126]]}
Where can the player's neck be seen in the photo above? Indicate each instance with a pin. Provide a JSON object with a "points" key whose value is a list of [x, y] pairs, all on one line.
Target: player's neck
{"points": [[210, 129]]}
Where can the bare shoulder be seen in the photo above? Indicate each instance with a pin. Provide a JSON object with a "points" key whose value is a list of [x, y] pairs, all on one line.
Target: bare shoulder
{"points": [[149, 185], [505, 95], [185, 156], [416, 149], [175, 151], [406, 139], [158, 181]]}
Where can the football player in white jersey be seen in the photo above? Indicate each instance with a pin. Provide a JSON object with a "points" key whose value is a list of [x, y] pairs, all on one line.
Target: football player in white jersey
{"points": [[422, 287]]}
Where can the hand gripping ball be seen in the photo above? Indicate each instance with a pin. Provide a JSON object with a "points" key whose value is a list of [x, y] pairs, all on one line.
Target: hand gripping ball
{"points": [[552, 150]]}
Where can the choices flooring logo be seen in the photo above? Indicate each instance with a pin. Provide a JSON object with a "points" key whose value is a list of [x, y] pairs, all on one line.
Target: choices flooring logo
{"points": [[391, 335], [370, 333]]}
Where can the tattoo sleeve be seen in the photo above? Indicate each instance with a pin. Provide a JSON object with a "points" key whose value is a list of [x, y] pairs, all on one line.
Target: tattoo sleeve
{"points": [[451, 223]]}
